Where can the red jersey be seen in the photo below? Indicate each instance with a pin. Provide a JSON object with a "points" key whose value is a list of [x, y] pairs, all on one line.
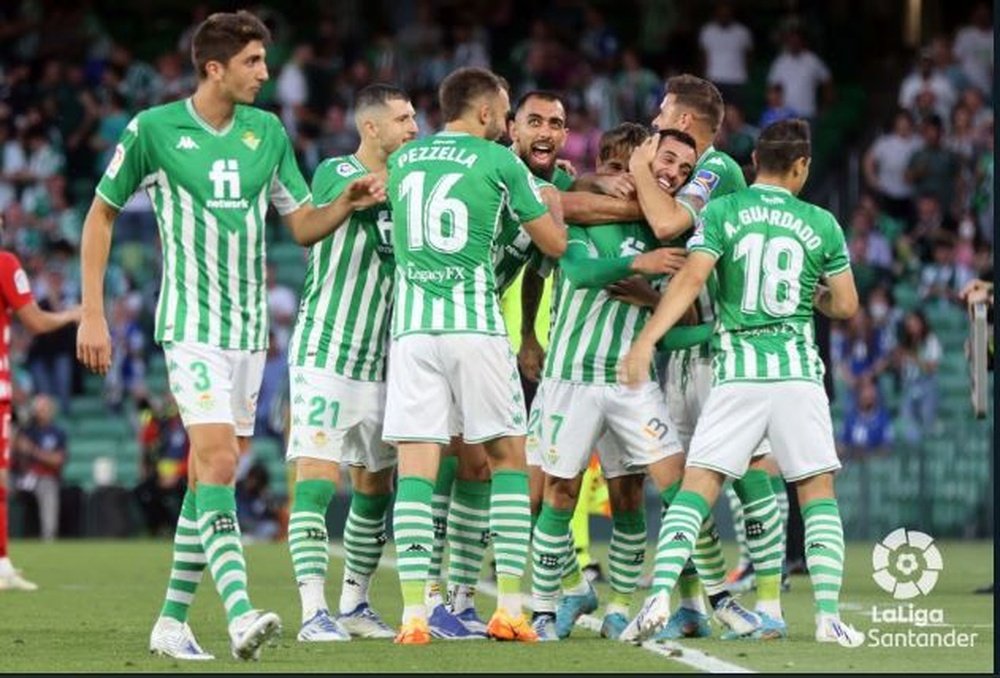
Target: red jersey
{"points": [[15, 292]]}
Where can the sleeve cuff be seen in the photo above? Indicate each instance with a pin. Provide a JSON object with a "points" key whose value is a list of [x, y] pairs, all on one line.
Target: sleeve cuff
{"points": [[108, 200], [707, 250]]}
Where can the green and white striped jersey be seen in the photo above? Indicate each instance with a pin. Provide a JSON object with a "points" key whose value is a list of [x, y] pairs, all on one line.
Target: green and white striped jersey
{"points": [[448, 193], [514, 248], [210, 190], [714, 175], [591, 331], [771, 250], [344, 314]]}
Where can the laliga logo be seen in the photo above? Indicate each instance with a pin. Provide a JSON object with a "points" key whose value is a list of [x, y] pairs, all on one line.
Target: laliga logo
{"points": [[906, 564]]}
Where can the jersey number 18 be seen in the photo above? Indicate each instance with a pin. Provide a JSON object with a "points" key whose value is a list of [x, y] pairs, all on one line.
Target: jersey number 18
{"points": [[773, 267]]}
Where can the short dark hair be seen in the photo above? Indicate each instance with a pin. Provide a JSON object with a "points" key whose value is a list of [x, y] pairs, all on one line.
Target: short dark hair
{"points": [[621, 140], [378, 94], [465, 85], [682, 137], [781, 144], [934, 120], [700, 96], [223, 35], [543, 94]]}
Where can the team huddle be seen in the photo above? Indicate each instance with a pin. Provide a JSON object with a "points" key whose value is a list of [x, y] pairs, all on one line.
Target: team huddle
{"points": [[401, 367]]}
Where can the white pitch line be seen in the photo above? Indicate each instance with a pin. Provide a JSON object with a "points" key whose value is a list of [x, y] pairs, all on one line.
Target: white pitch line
{"points": [[696, 659]]}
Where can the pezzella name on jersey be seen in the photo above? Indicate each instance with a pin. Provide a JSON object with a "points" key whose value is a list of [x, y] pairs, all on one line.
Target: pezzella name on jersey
{"points": [[450, 153]]}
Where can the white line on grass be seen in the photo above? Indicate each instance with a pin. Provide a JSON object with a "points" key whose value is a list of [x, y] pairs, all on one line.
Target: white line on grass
{"points": [[696, 659]]}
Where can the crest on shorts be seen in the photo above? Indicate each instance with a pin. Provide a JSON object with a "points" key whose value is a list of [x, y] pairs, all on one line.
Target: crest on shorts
{"points": [[206, 401]]}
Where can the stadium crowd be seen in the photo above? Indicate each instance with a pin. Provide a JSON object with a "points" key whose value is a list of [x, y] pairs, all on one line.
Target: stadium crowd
{"points": [[924, 218]]}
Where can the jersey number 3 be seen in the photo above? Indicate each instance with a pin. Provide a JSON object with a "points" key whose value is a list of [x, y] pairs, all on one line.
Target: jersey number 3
{"points": [[773, 267], [440, 222]]}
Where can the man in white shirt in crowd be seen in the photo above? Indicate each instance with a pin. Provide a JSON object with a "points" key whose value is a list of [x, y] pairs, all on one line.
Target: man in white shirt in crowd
{"points": [[726, 45], [974, 48], [801, 73]]}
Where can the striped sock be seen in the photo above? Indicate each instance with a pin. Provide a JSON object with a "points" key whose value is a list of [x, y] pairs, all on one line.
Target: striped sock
{"points": [[678, 535], [763, 529], [781, 496], [440, 499], [626, 554], [573, 581], [219, 531], [468, 537], [364, 538], [413, 530], [188, 563], [510, 530], [736, 508], [824, 537], [309, 543], [550, 542], [708, 559]]}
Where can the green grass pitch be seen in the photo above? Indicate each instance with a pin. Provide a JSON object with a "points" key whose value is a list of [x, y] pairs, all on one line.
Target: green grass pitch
{"points": [[98, 600]]}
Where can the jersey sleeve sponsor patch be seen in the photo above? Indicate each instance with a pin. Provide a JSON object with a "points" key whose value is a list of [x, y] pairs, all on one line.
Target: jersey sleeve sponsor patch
{"points": [[116, 162], [346, 169], [21, 283]]}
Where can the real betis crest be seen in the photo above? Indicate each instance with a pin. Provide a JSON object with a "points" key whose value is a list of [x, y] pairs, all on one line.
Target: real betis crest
{"points": [[251, 140]]}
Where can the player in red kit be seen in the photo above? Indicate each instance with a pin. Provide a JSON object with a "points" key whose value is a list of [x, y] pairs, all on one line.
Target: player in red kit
{"points": [[16, 297]]}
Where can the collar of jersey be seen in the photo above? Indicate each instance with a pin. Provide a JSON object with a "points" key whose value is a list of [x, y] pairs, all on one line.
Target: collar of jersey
{"points": [[204, 125], [452, 133], [769, 187], [710, 149]]}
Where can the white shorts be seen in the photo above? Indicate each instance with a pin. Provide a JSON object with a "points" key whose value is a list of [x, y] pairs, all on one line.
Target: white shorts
{"points": [[793, 415], [629, 428], [215, 385], [337, 419], [440, 381], [687, 390]]}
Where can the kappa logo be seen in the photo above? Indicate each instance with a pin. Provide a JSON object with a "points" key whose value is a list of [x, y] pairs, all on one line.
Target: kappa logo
{"points": [[186, 143]]}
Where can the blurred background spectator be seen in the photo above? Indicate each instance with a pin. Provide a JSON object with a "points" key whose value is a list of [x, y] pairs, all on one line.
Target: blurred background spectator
{"points": [[40, 452]]}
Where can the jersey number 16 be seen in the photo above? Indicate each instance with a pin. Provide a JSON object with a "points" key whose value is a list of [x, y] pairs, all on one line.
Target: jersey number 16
{"points": [[436, 220]]}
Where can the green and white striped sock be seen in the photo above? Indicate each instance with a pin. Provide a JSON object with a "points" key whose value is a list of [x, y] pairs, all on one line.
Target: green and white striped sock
{"points": [[309, 543], [763, 530], [736, 508], [468, 538], [364, 539], [188, 563], [677, 538], [781, 496], [626, 554], [413, 531], [219, 531], [510, 530], [440, 499], [824, 537], [550, 542]]}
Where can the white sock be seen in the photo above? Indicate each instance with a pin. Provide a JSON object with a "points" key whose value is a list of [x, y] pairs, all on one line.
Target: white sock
{"points": [[313, 598], [413, 612], [432, 595], [353, 591], [509, 603], [462, 597], [772, 608], [6, 567]]}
